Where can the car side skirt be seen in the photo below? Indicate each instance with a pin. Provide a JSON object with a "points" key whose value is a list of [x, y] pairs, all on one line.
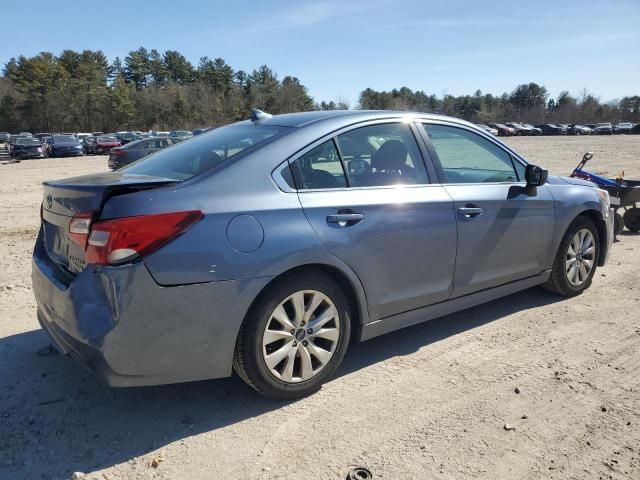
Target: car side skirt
{"points": [[413, 317]]}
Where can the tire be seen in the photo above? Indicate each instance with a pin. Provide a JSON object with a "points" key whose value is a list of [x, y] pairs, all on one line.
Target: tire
{"points": [[559, 282], [276, 380], [631, 219], [618, 224]]}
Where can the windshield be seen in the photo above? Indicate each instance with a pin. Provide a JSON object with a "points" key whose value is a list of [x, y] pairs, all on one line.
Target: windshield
{"points": [[182, 133], [204, 152], [27, 141], [604, 125], [107, 139], [64, 138]]}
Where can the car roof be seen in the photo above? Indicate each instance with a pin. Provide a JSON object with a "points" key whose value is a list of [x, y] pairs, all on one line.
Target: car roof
{"points": [[302, 119]]}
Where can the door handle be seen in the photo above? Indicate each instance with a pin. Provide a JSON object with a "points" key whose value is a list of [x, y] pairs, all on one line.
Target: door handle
{"points": [[470, 211], [345, 219]]}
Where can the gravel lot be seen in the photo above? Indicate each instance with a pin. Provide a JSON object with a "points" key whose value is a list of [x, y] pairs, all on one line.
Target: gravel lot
{"points": [[431, 401]]}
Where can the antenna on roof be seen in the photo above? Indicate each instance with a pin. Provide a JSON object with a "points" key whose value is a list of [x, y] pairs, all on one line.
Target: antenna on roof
{"points": [[259, 115]]}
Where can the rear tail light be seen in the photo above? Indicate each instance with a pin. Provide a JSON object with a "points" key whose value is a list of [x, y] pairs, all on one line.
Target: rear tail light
{"points": [[110, 242], [79, 228]]}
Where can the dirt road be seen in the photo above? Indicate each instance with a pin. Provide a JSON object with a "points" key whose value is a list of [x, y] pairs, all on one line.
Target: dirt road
{"points": [[439, 400]]}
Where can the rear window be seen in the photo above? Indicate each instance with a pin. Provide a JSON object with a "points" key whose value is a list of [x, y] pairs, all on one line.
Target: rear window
{"points": [[188, 159]]}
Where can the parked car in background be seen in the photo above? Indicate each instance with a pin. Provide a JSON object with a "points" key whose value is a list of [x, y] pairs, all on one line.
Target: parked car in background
{"points": [[487, 128], [305, 261], [42, 135], [180, 135], [579, 130], [26, 134], [126, 137], [89, 145], [161, 134], [82, 136], [27, 147], [503, 130], [129, 153], [104, 143], [519, 129], [604, 128], [97, 134], [622, 127], [11, 141], [534, 130], [551, 129], [64, 146]]}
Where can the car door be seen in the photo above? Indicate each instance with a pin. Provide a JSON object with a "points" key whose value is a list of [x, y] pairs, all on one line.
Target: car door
{"points": [[366, 194], [503, 233]]}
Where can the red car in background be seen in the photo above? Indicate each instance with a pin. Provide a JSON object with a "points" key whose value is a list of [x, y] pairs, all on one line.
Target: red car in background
{"points": [[105, 143], [503, 130]]}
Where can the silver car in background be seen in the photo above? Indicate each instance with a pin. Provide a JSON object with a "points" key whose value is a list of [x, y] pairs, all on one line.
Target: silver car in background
{"points": [[267, 246]]}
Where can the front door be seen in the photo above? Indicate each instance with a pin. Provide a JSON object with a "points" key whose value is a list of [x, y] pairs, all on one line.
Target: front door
{"points": [[503, 234]]}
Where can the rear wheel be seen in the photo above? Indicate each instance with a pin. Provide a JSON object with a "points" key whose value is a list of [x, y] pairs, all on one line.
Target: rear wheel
{"points": [[631, 219], [576, 259], [294, 337]]}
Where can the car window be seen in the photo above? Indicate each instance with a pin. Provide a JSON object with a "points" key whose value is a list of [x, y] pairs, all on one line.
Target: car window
{"points": [[384, 154], [204, 152], [467, 157], [319, 168]]}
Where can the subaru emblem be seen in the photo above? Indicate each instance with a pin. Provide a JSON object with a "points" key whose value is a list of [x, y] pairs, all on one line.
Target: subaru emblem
{"points": [[49, 201]]}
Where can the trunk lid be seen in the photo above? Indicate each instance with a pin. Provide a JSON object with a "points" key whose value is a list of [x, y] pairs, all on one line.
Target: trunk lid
{"points": [[65, 198]]}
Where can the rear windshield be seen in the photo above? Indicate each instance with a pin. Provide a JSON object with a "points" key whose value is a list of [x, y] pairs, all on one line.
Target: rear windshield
{"points": [[188, 159], [107, 139]]}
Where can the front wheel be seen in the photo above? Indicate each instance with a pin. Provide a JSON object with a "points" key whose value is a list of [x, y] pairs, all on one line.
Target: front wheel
{"points": [[294, 337], [576, 259]]}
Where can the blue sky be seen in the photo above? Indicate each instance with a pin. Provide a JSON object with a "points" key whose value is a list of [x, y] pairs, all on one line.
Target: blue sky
{"points": [[339, 47]]}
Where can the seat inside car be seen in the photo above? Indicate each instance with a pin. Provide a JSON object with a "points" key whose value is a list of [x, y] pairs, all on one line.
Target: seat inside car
{"points": [[389, 165]]}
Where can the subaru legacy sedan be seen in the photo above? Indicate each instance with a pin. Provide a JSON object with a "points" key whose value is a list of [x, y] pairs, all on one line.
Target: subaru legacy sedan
{"points": [[269, 245]]}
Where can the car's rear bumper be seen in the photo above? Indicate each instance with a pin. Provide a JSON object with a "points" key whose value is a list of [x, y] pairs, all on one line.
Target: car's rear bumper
{"points": [[129, 331]]}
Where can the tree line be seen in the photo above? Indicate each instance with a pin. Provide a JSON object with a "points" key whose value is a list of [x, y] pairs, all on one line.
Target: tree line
{"points": [[528, 103], [83, 91]]}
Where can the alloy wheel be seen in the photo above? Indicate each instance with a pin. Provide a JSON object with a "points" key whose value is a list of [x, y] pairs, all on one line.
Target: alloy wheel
{"points": [[580, 257], [301, 336]]}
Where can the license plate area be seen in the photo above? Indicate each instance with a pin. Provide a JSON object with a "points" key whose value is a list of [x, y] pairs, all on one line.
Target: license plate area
{"points": [[60, 248]]}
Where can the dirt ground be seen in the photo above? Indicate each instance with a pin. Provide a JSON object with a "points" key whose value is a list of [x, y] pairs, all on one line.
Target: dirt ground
{"points": [[438, 400]]}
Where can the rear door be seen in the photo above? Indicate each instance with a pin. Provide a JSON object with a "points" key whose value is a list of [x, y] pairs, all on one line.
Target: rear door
{"points": [[367, 196], [504, 234]]}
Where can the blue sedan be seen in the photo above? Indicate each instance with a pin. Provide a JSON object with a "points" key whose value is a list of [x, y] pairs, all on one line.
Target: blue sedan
{"points": [[267, 246], [64, 146]]}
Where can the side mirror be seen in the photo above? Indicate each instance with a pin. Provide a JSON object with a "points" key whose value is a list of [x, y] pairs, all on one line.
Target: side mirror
{"points": [[535, 177]]}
